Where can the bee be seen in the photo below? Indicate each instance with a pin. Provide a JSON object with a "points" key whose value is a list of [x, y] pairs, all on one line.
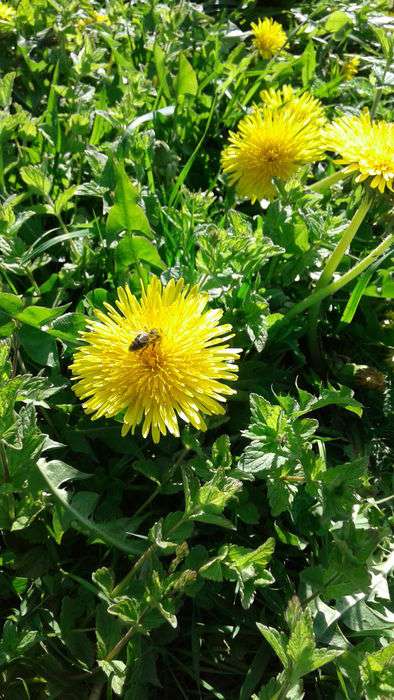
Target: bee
{"points": [[143, 339]]}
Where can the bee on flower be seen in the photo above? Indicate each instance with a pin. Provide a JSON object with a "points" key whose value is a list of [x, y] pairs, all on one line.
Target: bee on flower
{"points": [[350, 68], [273, 142], [365, 147], [7, 17], [156, 360], [269, 37]]}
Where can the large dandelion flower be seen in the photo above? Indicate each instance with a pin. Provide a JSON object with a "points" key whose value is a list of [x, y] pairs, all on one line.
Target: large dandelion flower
{"points": [[268, 37], [304, 107], [155, 360], [365, 147], [270, 143]]}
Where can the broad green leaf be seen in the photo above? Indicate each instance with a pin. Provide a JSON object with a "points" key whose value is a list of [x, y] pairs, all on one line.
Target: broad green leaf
{"points": [[39, 346], [126, 214], [34, 177], [67, 327], [336, 20], [10, 303], [37, 316], [186, 81], [131, 249]]}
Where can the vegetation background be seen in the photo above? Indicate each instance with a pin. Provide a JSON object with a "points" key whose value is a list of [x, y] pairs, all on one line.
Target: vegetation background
{"points": [[253, 560]]}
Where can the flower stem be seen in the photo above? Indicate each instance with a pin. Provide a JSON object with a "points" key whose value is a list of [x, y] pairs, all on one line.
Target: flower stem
{"points": [[319, 294], [346, 239], [328, 271], [326, 182]]}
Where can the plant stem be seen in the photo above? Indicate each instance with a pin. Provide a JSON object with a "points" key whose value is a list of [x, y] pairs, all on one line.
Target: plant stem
{"points": [[328, 271], [326, 182], [318, 295], [157, 490], [346, 239], [126, 580]]}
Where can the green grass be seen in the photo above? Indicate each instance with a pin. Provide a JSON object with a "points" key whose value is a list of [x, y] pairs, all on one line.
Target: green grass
{"points": [[253, 560]]}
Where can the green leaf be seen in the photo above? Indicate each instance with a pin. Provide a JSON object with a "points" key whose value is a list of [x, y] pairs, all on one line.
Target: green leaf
{"points": [[104, 579], [186, 81], [126, 214], [10, 303], [356, 296], [277, 640], [336, 20], [301, 648], [308, 64], [131, 249], [6, 86], [67, 327], [127, 609], [39, 346], [159, 58], [63, 199], [34, 177], [37, 316], [377, 673], [329, 396], [56, 473]]}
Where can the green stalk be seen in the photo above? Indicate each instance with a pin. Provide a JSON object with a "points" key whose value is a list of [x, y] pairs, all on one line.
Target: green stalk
{"points": [[319, 294], [326, 182], [346, 239], [331, 265]]}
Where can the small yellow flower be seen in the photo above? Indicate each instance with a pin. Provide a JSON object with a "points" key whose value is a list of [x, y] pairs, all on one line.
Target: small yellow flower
{"points": [[269, 37], [304, 107], [175, 368], [94, 18], [7, 16], [271, 142], [99, 18], [365, 147], [350, 68]]}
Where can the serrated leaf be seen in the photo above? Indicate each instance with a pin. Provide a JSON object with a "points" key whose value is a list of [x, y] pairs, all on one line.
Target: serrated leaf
{"points": [[33, 176], [277, 640]]}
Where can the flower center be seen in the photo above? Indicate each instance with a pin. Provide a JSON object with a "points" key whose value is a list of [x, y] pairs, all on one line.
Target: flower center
{"points": [[152, 356]]}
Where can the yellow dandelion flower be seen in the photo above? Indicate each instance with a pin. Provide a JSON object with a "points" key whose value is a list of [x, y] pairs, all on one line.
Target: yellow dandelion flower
{"points": [[7, 16], [94, 18], [155, 360], [268, 37], [99, 18], [365, 147], [269, 144], [304, 107], [350, 68]]}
